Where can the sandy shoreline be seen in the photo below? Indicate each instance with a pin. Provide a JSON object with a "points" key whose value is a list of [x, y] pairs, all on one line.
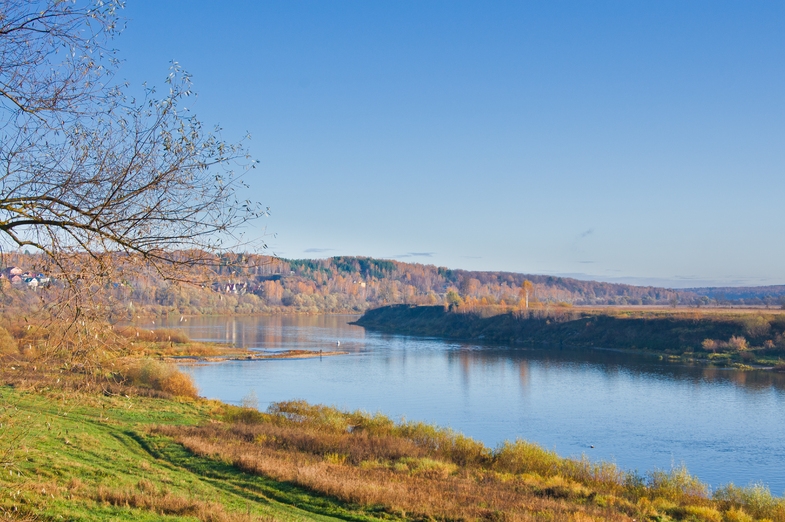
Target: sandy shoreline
{"points": [[252, 356]]}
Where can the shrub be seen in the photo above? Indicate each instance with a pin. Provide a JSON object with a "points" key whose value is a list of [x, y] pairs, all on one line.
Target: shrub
{"points": [[376, 424], [465, 451], [245, 415], [676, 485], [443, 442], [703, 513], [159, 376], [756, 326], [586, 471], [424, 435], [316, 416], [524, 457], [710, 345], [755, 499], [179, 384], [737, 343]]}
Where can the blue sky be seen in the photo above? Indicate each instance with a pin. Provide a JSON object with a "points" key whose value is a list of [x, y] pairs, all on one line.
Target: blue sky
{"points": [[640, 142]]}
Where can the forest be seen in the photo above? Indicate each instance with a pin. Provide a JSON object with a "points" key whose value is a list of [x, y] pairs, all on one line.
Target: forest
{"points": [[250, 283]]}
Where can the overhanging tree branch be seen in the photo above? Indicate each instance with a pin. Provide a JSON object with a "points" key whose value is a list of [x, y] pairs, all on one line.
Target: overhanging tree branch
{"points": [[87, 170]]}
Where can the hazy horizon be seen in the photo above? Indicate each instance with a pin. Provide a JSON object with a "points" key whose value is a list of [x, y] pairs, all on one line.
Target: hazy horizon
{"points": [[676, 283]]}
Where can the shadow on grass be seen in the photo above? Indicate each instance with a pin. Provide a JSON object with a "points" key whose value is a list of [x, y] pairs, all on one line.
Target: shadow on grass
{"points": [[255, 488]]}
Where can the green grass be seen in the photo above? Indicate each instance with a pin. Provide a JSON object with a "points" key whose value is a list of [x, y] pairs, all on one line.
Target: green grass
{"points": [[89, 456], [96, 457], [74, 451]]}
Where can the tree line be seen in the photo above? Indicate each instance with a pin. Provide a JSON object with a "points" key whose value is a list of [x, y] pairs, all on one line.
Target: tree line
{"points": [[253, 283]]}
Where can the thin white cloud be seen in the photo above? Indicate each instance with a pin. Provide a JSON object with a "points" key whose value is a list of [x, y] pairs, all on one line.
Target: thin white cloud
{"points": [[414, 254]]}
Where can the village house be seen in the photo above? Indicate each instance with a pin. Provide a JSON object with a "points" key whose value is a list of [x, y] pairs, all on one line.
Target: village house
{"points": [[17, 276]]}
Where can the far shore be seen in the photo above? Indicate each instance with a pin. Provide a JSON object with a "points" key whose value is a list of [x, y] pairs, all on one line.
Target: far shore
{"points": [[743, 341], [614, 309]]}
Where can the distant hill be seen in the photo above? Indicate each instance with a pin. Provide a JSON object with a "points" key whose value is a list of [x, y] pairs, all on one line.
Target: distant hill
{"points": [[250, 283], [753, 295]]}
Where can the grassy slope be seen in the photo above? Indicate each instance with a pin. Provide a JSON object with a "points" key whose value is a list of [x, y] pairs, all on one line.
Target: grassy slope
{"points": [[78, 458], [96, 457]]}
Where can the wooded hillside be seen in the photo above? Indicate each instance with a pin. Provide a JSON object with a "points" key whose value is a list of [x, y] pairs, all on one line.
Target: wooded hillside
{"points": [[242, 283]]}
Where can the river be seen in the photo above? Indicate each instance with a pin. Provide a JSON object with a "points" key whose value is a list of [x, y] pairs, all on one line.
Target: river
{"points": [[635, 410]]}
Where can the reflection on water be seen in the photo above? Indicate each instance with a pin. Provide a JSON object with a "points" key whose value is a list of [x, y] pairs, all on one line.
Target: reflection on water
{"points": [[637, 410], [278, 332], [612, 362]]}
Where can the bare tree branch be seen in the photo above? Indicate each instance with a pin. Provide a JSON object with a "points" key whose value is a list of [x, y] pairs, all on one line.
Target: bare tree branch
{"points": [[89, 176]]}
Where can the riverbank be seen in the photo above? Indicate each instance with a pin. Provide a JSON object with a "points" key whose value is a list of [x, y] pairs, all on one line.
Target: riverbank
{"points": [[743, 340], [93, 456], [128, 438]]}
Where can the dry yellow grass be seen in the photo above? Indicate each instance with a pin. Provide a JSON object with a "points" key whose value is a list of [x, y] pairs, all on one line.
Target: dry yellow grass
{"points": [[402, 491], [422, 472], [162, 335], [145, 496]]}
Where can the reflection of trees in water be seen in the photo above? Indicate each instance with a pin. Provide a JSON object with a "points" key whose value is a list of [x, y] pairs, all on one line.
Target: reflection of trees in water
{"points": [[471, 359], [611, 364], [753, 380], [523, 373], [276, 332], [320, 332], [466, 365]]}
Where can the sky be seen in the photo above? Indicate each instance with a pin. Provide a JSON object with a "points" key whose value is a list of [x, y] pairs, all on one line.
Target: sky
{"points": [[638, 142]]}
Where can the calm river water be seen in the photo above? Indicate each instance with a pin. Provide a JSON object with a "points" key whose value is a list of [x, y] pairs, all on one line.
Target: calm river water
{"points": [[637, 411]]}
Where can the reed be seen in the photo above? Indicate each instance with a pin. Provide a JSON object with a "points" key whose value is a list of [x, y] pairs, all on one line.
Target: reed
{"points": [[426, 472]]}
